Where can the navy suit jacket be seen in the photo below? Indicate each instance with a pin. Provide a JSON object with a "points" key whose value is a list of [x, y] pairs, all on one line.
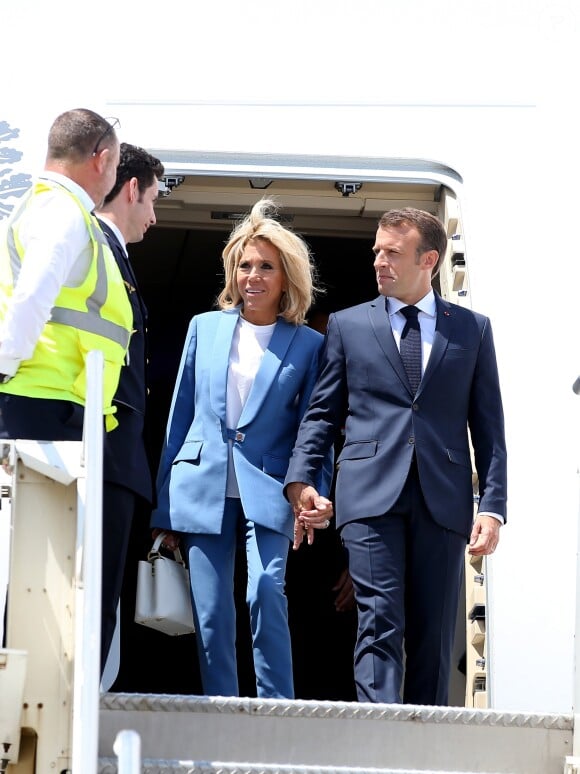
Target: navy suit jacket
{"points": [[191, 484], [125, 459], [363, 385]]}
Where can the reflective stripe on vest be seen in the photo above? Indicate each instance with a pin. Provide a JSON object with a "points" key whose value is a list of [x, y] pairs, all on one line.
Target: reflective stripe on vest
{"points": [[94, 313], [91, 320]]}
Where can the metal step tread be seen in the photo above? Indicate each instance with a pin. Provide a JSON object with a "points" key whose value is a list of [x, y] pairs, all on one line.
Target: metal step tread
{"points": [[330, 736], [141, 702]]}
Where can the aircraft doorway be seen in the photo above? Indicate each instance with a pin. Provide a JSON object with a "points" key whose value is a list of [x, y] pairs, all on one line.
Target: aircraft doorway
{"points": [[178, 267], [179, 274]]}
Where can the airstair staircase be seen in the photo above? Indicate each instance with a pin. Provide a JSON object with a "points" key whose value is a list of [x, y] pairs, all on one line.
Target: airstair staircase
{"points": [[250, 736]]}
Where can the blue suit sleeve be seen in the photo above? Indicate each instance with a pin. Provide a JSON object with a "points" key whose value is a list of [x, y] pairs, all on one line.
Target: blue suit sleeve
{"points": [[325, 476], [311, 461], [486, 425]]}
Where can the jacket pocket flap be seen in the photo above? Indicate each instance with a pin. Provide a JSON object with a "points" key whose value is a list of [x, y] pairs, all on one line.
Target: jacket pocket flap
{"points": [[459, 457], [189, 452], [358, 450]]}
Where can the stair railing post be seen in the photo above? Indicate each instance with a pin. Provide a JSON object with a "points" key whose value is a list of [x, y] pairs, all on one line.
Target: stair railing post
{"points": [[89, 548]]}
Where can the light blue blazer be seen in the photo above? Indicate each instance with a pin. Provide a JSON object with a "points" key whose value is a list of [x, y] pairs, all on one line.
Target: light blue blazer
{"points": [[191, 483]]}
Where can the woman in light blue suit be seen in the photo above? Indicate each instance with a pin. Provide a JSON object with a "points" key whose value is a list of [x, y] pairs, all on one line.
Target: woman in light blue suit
{"points": [[243, 385]]}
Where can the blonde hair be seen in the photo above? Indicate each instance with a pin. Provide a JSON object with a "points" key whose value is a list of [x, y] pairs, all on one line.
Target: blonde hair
{"points": [[295, 258]]}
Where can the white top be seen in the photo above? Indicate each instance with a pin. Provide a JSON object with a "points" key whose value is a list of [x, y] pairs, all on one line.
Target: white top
{"points": [[248, 346], [57, 252]]}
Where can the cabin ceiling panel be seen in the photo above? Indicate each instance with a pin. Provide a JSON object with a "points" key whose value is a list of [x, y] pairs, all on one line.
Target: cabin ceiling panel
{"points": [[309, 206]]}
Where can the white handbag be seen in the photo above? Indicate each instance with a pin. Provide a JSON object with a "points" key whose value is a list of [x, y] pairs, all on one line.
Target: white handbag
{"points": [[163, 593]]}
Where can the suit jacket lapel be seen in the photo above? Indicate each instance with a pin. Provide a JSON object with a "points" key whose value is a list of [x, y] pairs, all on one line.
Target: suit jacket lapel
{"points": [[440, 339], [270, 365], [124, 265], [220, 355], [381, 324]]}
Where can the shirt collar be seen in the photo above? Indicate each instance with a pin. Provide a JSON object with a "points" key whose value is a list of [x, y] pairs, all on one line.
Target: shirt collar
{"points": [[115, 229], [71, 186], [426, 304]]}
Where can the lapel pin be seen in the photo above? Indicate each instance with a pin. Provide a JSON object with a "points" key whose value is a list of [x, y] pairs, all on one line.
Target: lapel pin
{"points": [[447, 314]]}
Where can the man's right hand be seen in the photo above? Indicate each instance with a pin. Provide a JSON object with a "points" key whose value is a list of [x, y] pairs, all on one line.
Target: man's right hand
{"points": [[311, 511]]}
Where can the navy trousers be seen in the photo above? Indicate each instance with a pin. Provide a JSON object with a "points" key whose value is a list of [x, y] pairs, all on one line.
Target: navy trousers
{"points": [[407, 573], [118, 509], [40, 419]]}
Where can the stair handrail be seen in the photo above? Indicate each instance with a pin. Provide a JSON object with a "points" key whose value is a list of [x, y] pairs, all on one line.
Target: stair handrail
{"points": [[127, 748], [85, 731]]}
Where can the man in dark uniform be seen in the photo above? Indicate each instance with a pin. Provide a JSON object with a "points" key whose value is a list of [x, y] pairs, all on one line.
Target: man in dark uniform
{"points": [[127, 213]]}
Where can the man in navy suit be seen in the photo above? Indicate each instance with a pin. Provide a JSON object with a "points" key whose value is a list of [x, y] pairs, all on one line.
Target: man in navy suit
{"points": [[404, 492], [127, 213]]}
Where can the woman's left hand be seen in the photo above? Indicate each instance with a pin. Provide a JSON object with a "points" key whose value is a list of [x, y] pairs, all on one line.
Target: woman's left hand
{"points": [[318, 516], [170, 541]]}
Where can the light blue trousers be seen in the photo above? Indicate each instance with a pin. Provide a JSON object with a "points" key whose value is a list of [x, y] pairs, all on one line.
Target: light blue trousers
{"points": [[211, 566]]}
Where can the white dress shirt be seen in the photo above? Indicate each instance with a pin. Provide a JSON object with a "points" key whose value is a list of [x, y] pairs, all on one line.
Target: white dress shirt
{"points": [[427, 320], [115, 229]]}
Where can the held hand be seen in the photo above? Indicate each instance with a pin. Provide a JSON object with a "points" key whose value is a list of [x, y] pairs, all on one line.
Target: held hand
{"points": [[484, 536], [299, 534], [311, 511], [294, 493], [171, 540]]}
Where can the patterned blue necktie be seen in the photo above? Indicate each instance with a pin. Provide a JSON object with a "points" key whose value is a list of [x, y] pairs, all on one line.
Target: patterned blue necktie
{"points": [[411, 346]]}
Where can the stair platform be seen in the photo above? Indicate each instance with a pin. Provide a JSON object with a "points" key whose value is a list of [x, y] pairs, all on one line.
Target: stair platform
{"points": [[271, 736]]}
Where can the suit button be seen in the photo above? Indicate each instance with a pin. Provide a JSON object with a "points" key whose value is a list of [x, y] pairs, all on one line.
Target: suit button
{"points": [[415, 407], [411, 440]]}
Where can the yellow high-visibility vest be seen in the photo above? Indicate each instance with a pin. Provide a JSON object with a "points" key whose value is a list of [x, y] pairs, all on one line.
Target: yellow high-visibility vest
{"points": [[93, 315]]}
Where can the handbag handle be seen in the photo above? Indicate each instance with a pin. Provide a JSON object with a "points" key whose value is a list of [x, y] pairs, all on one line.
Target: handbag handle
{"points": [[154, 553]]}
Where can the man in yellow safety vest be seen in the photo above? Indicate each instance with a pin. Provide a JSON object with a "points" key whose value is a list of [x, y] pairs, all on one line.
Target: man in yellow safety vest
{"points": [[61, 292]]}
